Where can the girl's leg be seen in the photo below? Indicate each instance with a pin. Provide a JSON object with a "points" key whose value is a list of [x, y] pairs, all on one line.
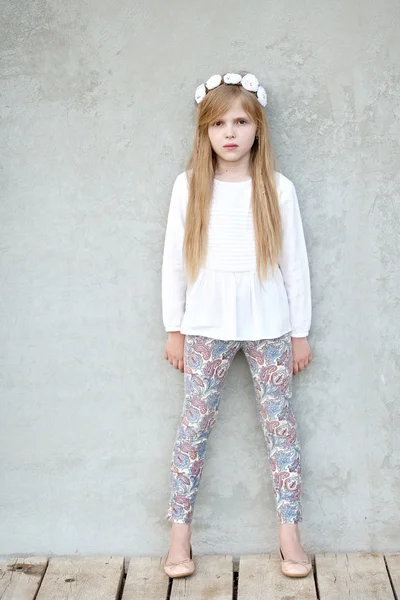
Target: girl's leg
{"points": [[271, 365], [206, 364]]}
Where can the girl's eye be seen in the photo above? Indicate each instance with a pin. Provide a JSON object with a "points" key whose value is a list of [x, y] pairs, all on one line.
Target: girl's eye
{"points": [[217, 123]]}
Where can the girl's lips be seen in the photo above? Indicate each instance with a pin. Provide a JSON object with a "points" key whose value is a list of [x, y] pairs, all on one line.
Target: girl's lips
{"points": [[231, 146]]}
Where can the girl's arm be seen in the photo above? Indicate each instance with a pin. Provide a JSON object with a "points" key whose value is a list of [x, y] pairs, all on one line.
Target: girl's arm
{"points": [[293, 263], [173, 275]]}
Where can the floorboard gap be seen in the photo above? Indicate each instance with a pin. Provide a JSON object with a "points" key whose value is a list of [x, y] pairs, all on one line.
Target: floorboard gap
{"points": [[121, 584], [314, 566], [235, 585], [40, 583], [390, 579], [169, 590]]}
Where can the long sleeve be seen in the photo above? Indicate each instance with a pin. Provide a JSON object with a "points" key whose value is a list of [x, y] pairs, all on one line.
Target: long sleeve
{"points": [[174, 280], [293, 263]]}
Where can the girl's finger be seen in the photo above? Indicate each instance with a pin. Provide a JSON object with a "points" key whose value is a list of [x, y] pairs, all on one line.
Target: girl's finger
{"points": [[301, 365], [295, 368], [181, 366]]}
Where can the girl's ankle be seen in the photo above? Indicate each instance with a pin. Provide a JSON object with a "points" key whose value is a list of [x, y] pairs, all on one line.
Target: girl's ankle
{"points": [[181, 531], [289, 532]]}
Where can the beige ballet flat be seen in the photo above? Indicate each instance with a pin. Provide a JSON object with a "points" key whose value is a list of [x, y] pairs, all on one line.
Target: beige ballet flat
{"points": [[295, 568], [182, 568]]}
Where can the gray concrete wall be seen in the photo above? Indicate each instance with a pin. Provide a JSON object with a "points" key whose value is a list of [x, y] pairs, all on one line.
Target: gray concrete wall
{"points": [[97, 120]]}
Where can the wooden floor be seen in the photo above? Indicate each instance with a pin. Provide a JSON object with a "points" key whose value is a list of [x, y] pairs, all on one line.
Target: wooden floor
{"points": [[353, 576]]}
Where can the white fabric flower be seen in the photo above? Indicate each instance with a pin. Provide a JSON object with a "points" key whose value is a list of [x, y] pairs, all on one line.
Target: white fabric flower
{"points": [[232, 78], [262, 95], [200, 93], [250, 82], [213, 82]]}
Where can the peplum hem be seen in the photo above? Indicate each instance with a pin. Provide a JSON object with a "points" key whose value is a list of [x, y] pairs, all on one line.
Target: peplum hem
{"points": [[233, 305]]}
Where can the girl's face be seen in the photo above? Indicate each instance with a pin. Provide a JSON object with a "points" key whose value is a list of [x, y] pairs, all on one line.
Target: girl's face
{"points": [[232, 135]]}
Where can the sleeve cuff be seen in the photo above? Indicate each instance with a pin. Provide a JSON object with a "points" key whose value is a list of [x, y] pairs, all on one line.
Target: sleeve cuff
{"points": [[299, 335]]}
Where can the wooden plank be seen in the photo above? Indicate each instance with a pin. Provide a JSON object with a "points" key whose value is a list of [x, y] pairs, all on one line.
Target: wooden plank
{"points": [[261, 578], [146, 579], [20, 577], [77, 577], [393, 563], [213, 579], [361, 576]]}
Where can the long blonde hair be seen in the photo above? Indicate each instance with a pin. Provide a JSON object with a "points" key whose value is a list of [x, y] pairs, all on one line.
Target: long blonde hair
{"points": [[202, 165]]}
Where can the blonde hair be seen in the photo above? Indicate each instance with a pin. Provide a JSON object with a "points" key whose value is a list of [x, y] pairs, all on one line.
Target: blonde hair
{"points": [[202, 164]]}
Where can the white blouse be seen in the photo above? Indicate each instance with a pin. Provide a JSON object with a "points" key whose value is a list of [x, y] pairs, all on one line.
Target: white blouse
{"points": [[227, 301]]}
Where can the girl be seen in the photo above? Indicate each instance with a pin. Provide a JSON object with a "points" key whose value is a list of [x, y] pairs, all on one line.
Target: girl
{"points": [[235, 276]]}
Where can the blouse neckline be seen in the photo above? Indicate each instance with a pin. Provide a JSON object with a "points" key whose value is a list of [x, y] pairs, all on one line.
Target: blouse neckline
{"points": [[219, 181]]}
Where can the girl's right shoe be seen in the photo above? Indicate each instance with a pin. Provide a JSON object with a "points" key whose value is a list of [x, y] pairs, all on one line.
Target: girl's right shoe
{"points": [[295, 568], [182, 568]]}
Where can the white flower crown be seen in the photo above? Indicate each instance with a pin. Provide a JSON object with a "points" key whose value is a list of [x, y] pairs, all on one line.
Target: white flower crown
{"points": [[248, 81]]}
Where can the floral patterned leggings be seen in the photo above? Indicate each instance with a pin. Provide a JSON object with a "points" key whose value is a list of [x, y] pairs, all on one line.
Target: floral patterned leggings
{"points": [[206, 362]]}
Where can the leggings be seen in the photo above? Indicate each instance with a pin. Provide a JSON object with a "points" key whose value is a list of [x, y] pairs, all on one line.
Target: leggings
{"points": [[206, 363]]}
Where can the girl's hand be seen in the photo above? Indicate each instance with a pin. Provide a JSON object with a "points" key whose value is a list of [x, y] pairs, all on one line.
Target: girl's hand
{"points": [[174, 349], [302, 355]]}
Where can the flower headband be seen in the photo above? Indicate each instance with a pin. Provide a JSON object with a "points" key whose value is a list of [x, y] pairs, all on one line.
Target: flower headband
{"points": [[248, 81]]}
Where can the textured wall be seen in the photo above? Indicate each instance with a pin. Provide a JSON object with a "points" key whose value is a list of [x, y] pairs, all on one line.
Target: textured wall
{"points": [[97, 120]]}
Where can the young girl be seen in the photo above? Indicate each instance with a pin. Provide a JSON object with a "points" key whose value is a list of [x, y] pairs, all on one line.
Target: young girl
{"points": [[235, 276]]}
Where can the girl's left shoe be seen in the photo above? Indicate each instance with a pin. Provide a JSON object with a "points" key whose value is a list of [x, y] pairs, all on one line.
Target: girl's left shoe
{"points": [[181, 569], [295, 568]]}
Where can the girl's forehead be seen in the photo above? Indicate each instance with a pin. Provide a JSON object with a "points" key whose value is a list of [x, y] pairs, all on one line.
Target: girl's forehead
{"points": [[235, 111]]}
